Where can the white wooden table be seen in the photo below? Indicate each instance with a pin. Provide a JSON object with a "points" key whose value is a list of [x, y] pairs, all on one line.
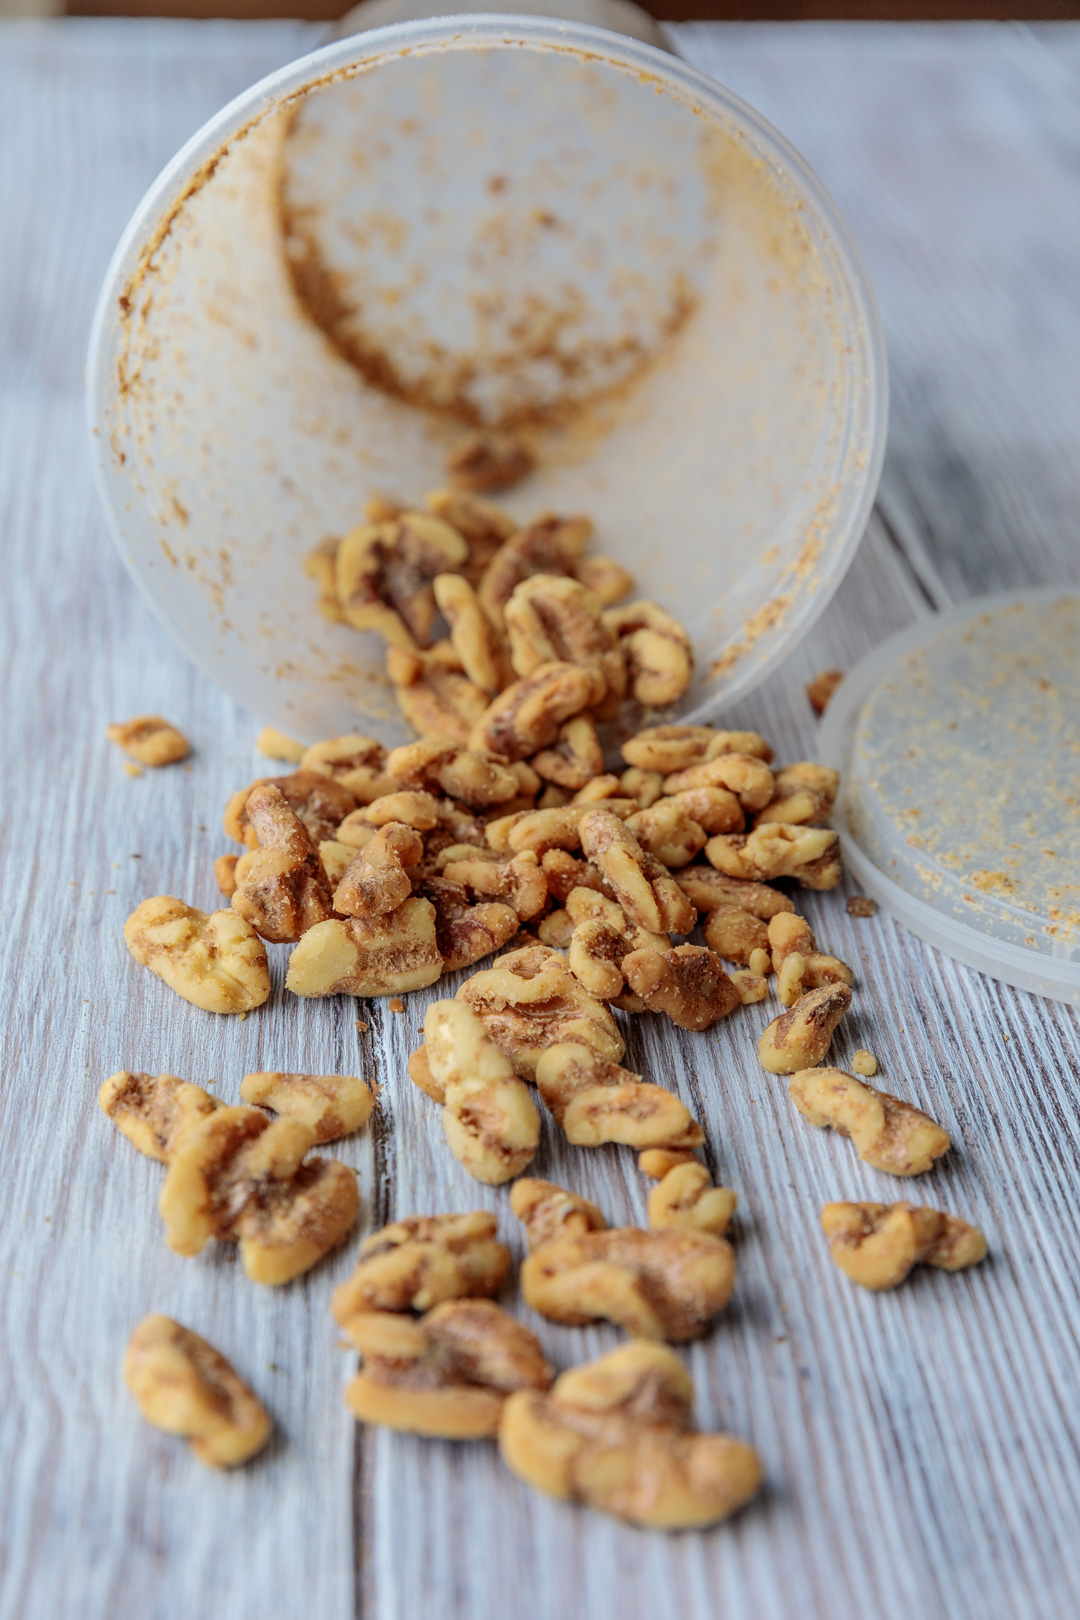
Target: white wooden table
{"points": [[921, 1447]]}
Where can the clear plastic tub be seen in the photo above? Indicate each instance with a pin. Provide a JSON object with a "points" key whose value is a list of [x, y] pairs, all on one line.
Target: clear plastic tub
{"points": [[959, 745], [492, 215]]}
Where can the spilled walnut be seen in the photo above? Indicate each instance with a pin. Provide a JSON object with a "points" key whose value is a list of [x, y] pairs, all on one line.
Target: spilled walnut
{"points": [[414, 1263], [685, 1200], [368, 956], [530, 1000], [688, 983], [887, 1133], [548, 1211], [150, 739], [217, 962], [184, 1386], [799, 1039], [151, 1110], [876, 1245], [596, 1101], [281, 887], [489, 1118], [331, 1105]]}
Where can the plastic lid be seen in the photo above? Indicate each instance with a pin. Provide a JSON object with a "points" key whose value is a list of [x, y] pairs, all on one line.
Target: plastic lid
{"points": [[959, 744]]}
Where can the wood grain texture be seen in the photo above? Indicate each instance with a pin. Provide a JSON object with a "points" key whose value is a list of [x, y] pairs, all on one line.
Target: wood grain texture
{"points": [[921, 1448]]}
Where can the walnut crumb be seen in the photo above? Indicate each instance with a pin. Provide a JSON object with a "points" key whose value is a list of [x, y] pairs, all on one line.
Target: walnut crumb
{"points": [[860, 905], [396, 1005], [864, 1062], [821, 688]]}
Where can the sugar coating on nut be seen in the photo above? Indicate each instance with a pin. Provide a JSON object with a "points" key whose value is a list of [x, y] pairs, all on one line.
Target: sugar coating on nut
{"points": [[215, 961], [595, 1101], [377, 879], [744, 775], [150, 739], [184, 1386], [656, 1285], [331, 1105], [886, 1132], [575, 759], [319, 801], [446, 1375], [152, 1110], [656, 1162], [548, 1211], [616, 1434], [877, 1245], [668, 832], [811, 855], [706, 889], [800, 965], [659, 657], [465, 929], [685, 1200], [368, 956], [799, 1039], [644, 888], [433, 692], [687, 982], [489, 1117], [414, 1263], [530, 1001], [281, 887], [356, 761], [808, 774], [551, 618], [526, 716], [736, 934]]}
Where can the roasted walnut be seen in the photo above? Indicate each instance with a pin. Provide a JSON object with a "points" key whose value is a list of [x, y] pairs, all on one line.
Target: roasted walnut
{"points": [[548, 1211], [466, 930], [551, 546], [489, 1118], [551, 618], [799, 1039], [668, 833], [377, 880], [530, 1000], [384, 574], [809, 854], [281, 888], [479, 644], [799, 963], [488, 461], [745, 775], [433, 693], [822, 687], [276, 745], [685, 1200], [876, 1245], [319, 801], [150, 739], [414, 1263], [887, 1133], [644, 888], [331, 1105], [596, 1101], [807, 775], [607, 579], [687, 982], [153, 1109], [520, 881], [602, 936], [485, 527], [735, 934], [706, 889], [225, 874], [357, 762], [659, 657], [526, 717], [415, 809], [217, 962], [576, 759], [184, 1386], [368, 956]]}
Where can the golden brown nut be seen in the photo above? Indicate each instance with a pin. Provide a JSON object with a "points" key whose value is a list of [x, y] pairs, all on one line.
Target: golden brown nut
{"points": [[656, 1285], [414, 1263], [551, 618], [331, 1105], [667, 832], [184, 1386], [642, 785], [715, 809], [433, 693], [548, 1211], [153, 1109], [822, 687], [225, 874], [438, 765], [667, 748], [384, 574], [659, 657], [706, 889], [602, 936], [685, 1200], [479, 644], [281, 888], [356, 761], [377, 880], [489, 461], [801, 809], [530, 1000], [799, 1039], [319, 801], [489, 1118], [596, 1101], [527, 715], [485, 527], [795, 956], [368, 956], [576, 758], [809, 854], [864, 1063], [150, 739], [320, 564], [543, 830], [744, 775], [656, 1162], [417, 810], [752, 987], [643, 887], [551, 546], [217, 962], [688, 983], [564, 874], [521, 881], [615, 1434], [735, 934], [607, 579], [275, 745], [446, 1375], [336, 859], [876, 1245], [237, 1177], [465, 930], [808, 775], [886, 1132], [606, 789]]}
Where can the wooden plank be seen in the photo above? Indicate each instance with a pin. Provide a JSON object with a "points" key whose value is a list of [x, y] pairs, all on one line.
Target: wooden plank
{"points": [[921, 1448]]}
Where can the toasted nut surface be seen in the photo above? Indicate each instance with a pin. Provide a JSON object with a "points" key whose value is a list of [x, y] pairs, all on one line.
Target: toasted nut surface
{"points": [[706, 889], [489, 1118], [596, 1101], [659, 657], [644, 888], [416, 809], [656, 1162], [184, 1386], [530, 1000], [527, 715], [368, 956], [433, 692], [864, 1063], [438, 765], [735, 934], [688, 983], [859, 905], [446, 1375], [225, 874], [616, 1434], [332, 1105], [809, 854], [281, 888], [466, 930], [886, 1132], [489, 461], [550, 546], [215, 961], [377, 880], [153, 1109], [414, 1263], [668, 832], [745, 775], [799, 1039], [576, 759], [808, 774], [549, 1211], [607, 579], [319, 801], [275, 745], [656, 1285], [150, 739], [551, 618], [685, 1200], [479, 644], [353, 760], [801, 809], [237, 1177], [876, 1245]]}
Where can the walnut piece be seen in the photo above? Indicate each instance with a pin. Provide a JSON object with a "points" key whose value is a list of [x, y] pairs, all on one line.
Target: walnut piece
{"points": [[225, 874], [745, 775], [151, 1110], [415, 1263], [706, 889], [281, 888], [807, 775], [377, 880], [319, 801], [659, 657], [150, 739], [715, 809], [488, 461], [526, 716], [551, 618], [644, 786], [864, 1063], [331, 1105], [489, 1118], [800, 809], [368, 956], [876, 1245], [667, 832], [735, 934], [616, 1434], [656, 1162], [548, 1211], [886, 1132], [433, 693], [822, 687], [799, 1039], [466, 931], [184, 1386], [550, 546], [595, 1101], [437, 765], [799, 963], [384, 573], [217, 962], [859, 905], [479, 644], [356, 761], [576, 759], [656, 1285], [668, 748], [520, 881], [687, 982], [484, 527], [685, 1200], [644, 888], [237, 1177], [276, 745], [418, 810], [446, 1375], [607, 579], [809, 854], [530, 1000], [602, 937]]}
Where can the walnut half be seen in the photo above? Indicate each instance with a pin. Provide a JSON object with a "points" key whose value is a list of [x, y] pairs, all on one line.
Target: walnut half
{"points": [[217, 962], [489, 1118], [887, 1133], [368, 956], [876, 1245], [596, 1102], [616, 1434], [332, 1105], [414, 1263], [184, 1386], [799, 1039]]}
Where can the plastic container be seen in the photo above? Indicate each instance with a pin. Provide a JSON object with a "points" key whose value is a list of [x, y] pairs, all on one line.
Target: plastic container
{"points": [[959, 745], [497, 215]]}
